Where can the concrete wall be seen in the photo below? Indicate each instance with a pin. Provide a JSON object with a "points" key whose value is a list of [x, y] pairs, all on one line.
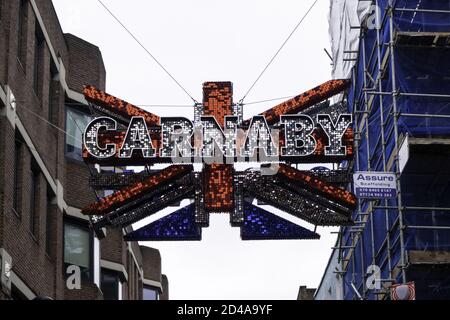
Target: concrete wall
{"points": [[331, 286]]}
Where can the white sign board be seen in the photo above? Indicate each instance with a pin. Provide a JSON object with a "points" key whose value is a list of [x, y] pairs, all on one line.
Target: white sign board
{"points": [[374, 185]]}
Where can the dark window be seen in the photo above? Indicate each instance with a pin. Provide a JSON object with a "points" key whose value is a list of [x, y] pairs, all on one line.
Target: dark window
{"points": [[108, 192], [54, 91], [78, 248], [50, 207], [38, 68], [76, 122], [22, 43], [132, 288], [34, 198], [150, 293], [16, 294], [110, 284], [17, 176]]}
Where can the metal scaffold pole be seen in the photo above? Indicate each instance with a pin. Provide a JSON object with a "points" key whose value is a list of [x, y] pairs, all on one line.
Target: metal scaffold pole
{"points": [[392, 97], [379, 22], [396, 142], [365, 125]]}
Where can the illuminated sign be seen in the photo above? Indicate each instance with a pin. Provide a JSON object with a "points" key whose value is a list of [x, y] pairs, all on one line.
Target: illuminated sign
{"points": [[177, 135], [304, 129]]}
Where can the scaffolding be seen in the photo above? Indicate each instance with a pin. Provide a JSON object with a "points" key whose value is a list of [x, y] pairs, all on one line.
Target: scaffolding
{"points": [[400, 99]]}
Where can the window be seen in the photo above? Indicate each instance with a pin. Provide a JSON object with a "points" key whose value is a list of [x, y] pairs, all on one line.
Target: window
{"points": [[17, 176], [110, 285], [76, 122], [50, 207], [16, 294], [111, 170], [130, 276], [38, 68], [54, 94], [22, 43], [78, 248], [150, 293], [34, 198], [133, 286]]}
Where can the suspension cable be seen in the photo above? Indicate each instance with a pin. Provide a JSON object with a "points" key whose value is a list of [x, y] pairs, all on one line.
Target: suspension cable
{"points": [[278, 51], [268, 100], [146, 50]]}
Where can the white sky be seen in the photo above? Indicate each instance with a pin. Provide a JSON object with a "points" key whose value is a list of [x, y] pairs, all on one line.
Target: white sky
{"points": [[209, 40]]}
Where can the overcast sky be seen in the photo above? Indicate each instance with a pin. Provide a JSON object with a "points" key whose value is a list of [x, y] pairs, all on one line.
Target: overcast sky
{"points": [[209, 40]]}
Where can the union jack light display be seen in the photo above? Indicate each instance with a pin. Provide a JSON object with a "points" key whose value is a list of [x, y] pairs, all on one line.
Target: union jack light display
{"points": [[304, 129]]}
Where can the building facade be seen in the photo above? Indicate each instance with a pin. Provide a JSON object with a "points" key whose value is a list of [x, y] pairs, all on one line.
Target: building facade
{"points": [[46, 246], [396, 54]]}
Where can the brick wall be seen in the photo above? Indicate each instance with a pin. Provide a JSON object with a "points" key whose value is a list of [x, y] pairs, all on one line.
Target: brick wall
{"points": [[32, 104], [152, 263], [165, 286], [86, 64], [2, 182], [54, 29], [28, 251], [88, 291], [30, 261], [4, 10], [42, 272], [77, 192], [39, 268], [113, 247]]}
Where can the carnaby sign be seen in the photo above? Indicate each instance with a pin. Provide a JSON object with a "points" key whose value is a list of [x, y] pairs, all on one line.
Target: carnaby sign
{"points": [[182, 140], [308, 128], [304, 129]]}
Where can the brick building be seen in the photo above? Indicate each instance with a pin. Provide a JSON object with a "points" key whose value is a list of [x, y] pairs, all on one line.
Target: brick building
{"points": [[43, 182]]}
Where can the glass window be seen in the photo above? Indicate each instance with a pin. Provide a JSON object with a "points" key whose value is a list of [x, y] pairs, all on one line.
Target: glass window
{"points": [[78, 248], [76, 122], [110, 285], [22, 43], [150, 293], [111, 170], [17, 176], [39, 42], [108, 192], [54, 93], [50, 207], [34, 199], [16, 294]]}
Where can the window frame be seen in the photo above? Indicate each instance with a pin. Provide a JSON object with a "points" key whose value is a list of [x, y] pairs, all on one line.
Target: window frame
{"points": [[148, 287], [67, 154], [38, 63], [18, 171], [114, 274], [34, 199], [50, 201], [1, 10], [82, 225], [54, 91], [22, 32]]}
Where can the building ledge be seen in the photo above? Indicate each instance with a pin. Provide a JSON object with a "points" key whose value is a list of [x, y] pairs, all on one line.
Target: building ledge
{"points": [[153, 283], [428, 257], [423, 39], [119, 268]]}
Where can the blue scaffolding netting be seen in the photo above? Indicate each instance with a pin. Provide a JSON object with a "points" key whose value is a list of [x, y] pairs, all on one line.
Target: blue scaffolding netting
{"points": [[414, 92]]}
